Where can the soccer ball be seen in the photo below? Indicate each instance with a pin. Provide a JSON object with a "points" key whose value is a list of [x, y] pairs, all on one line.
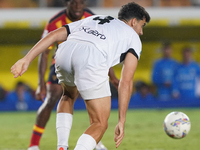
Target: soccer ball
{"points": [[177, 125]]}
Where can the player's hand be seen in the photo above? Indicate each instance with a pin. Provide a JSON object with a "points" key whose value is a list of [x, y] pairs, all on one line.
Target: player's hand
{"points": [[40, 93], [19, 67], [119, 134]]}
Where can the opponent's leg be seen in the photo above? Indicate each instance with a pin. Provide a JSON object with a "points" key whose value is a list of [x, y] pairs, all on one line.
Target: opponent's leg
{"points": [[54, 92], [99, 111], [65, 116]]}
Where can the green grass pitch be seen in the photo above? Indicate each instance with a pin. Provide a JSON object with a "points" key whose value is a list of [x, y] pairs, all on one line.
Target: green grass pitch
{"points": [[143, 130]]}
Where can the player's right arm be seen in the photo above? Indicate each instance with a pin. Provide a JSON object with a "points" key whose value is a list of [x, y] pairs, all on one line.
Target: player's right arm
{"points": [[21, 65], [42, 67]]}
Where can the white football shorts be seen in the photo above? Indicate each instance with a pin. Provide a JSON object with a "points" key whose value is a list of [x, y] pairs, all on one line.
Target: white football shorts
{"points": [[81, 64]]}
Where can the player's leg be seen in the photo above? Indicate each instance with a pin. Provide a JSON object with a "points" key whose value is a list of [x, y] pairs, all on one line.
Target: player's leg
{"points": [[99, 111], [43, 114], [54, 92], [83, 69], [65, 115], [100, 145]]}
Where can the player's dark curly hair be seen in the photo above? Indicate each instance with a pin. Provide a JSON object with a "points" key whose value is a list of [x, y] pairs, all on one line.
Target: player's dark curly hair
{"points": [[133, 10]]}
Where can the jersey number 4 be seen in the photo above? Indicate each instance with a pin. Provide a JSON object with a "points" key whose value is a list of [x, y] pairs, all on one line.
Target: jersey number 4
{"points": [[104, 20]]}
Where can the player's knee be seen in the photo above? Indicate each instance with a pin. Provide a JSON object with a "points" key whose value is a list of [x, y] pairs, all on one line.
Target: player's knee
{"points": [[69, 96], [102, 126]]}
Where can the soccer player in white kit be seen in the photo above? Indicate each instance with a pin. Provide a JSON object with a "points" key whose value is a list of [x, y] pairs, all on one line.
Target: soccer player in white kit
{"points": [[91, 46]]}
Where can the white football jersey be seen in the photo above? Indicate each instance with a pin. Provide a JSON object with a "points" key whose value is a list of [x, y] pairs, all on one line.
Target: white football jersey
{"points": [[111, 36]]}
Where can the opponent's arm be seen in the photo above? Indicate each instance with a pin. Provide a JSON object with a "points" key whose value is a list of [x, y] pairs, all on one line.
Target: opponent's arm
{"points": [[113, 78], [125, 91], [42, 67], [21, 65]]}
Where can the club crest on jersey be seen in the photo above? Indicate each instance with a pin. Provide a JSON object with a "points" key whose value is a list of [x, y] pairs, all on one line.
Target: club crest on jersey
{"points": [[93, 32]]}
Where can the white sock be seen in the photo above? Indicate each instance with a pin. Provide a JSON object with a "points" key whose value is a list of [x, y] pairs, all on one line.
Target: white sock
{"points": [[85, 142], [63, 126]]}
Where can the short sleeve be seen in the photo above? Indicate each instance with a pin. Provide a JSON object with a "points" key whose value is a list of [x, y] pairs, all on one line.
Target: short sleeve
{"points": [[74, 26], [136, 46]]}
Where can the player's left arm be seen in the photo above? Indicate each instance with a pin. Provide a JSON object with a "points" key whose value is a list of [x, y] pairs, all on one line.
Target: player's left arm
{"points": [[21, 65], [125, 91]]}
